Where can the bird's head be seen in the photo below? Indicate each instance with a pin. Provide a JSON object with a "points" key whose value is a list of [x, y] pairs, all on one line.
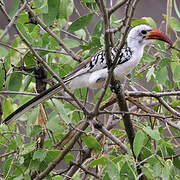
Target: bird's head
{"points": [[143, 35]]}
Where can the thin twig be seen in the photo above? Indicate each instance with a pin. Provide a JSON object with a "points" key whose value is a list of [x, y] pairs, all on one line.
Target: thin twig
{"points": [[11, 23], [73, 36], [108, 134], [169, 108], [7, 154], [116, 7], [155, 115], [10, 47], [172, 157], [85, 170], [149, 110], [151, 94]]}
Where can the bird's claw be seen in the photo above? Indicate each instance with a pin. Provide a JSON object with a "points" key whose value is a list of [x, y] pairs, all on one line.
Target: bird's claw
{"points": [[115, 86]]}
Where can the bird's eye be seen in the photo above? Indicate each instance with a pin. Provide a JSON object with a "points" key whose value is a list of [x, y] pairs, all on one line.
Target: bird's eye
{"points": [[144, 32]]}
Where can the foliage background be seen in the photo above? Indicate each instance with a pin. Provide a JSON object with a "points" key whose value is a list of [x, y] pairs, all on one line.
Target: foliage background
{"points": [[30, 148]]}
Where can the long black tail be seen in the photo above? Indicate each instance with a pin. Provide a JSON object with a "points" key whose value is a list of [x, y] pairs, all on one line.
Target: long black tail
{"points": [[33, 102]]}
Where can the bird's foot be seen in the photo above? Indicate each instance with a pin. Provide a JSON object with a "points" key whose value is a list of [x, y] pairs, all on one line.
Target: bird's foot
{"points": [[116, 86]]}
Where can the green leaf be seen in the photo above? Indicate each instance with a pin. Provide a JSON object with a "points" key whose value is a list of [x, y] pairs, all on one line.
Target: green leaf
{"points": [[68, 158], [31, 116], [14, 7], [52, 155], [28, 148], [29, 59], [36, 129], [87, 1], [112, 170], [54, 124], [27, 81], [65, 8], [175, 24], [138, 142], [3, 127], [127, 172], [150, 73], [100, 161], [5, 38], [106, 177], [176, 9], [153, 133], [147, 171], [53, 11], [57, 178], [41, 5], [165, 173], [144, 20], [176, 162], [80, 22], [175, 103], [12, 145], [150, 21], [98, 29], [148, 58], [118, 132], [3, 52], [162, 75], [91, 142], [15, 81], [7, 107], [71, 43], [80, 34], [164, 62], [157, 169], [7, 166], [39, 154], [176, 73], [138, 22], [63, 111], [23, 29], [34, 164]]}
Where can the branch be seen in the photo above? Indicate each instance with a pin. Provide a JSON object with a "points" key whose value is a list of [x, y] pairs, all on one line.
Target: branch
{"points": [[73, 36], [37, 49], [169, 108], [53, 164], [155, 115], [48, 30], [115, 7], [11, 23], [87, 152], [149, 110], [151, 94], [118, 91], [108, 134], [7, 154], [107, 52], [85, 170]]}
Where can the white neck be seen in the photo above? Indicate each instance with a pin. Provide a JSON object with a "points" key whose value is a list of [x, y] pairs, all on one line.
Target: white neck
{"points": [[136, 48]]}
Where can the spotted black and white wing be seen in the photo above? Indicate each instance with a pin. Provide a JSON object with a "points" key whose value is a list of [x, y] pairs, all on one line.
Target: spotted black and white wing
{"points": [[98, 61], [95, 72]]}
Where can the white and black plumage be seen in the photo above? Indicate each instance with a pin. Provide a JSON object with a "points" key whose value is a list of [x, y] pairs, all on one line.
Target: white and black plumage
{"points": [[94, 73]]}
